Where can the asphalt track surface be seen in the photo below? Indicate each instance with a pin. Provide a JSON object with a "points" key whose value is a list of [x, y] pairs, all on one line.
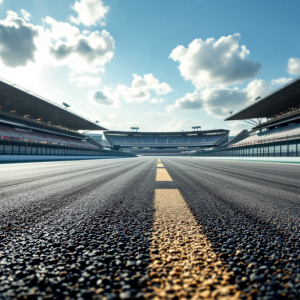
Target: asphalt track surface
{"points": [[185, 228]]}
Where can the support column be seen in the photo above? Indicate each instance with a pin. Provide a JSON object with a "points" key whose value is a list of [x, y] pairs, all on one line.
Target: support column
{"points": [[280, 149]]}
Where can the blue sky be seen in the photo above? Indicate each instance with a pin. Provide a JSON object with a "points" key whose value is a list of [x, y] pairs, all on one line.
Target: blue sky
{"points": [[160, 65]]}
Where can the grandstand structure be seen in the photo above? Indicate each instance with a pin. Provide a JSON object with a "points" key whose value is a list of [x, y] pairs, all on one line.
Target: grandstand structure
{"points": [[165, 143], [33, 125], [275, 116], [276, 126]]}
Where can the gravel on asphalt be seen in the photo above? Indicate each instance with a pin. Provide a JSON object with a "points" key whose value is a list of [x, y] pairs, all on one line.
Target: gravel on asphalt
{"points": [[98, 230]]}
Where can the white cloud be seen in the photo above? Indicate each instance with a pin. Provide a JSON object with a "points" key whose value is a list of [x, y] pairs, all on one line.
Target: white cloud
{"points": [[104, 97], [216, 101], [61, 30], [281, 81], [81, 51], [177, 125], [212, 66], [219, 101], [258, 88], [84, 81], [55, 44], [85, 53], [189, 101], [18, 41], [26, 15], [132, 123], [90, 12], [1, 1], [142, 89], [111, 116], [157, 100], [211, 62], [154, 113], [293, 66]]}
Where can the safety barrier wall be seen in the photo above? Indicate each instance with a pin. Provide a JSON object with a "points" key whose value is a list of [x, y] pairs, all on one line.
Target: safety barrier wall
{"points": [[287, 148], [10, 147]]}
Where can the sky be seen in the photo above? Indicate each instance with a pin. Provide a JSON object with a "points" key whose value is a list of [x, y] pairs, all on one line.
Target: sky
{"points": [[158, 65]]}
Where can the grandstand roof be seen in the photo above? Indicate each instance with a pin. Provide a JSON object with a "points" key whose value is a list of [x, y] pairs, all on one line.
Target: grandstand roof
{"points": [[166, 133], [21, 102], [276, 103]]}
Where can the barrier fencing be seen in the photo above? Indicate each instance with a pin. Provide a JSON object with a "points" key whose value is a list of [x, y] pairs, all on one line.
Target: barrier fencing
{"points": [[264, 148], [11, 147]]}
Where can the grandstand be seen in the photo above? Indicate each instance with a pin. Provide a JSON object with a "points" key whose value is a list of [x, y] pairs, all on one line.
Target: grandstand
{"points": [[33, 125], [291, 131], [153, 143], [24, 135], [276, 126], [275, 117]]}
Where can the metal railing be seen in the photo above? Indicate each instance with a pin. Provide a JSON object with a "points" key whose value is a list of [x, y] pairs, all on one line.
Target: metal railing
{"points": [[265, 148], [11, 147], [265, 141]]}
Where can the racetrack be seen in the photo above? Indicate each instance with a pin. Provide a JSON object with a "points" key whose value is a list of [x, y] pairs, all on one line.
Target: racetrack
{"points": [[135, 228]]}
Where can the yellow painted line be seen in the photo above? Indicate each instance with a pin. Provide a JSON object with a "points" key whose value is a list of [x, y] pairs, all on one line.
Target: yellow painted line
{"points": [[183, 263], [162, 175], [158, 160], [160, 165]]}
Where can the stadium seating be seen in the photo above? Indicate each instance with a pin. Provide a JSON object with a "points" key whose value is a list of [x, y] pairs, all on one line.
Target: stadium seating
{"points": [[8, 133], [168, 151], [278, 133], [152, 140]]}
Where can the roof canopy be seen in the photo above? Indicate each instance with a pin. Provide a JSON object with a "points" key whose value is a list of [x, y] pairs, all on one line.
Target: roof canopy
{"points": [[215, 131], [278, 102], [23, 103]]}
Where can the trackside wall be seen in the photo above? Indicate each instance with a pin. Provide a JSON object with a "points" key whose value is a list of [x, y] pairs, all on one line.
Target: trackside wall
{"points": [[10, 147], [287, 148]]}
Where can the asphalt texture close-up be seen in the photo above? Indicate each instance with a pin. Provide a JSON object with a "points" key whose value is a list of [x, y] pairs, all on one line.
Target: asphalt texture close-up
{"points": [[150, 228]]}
